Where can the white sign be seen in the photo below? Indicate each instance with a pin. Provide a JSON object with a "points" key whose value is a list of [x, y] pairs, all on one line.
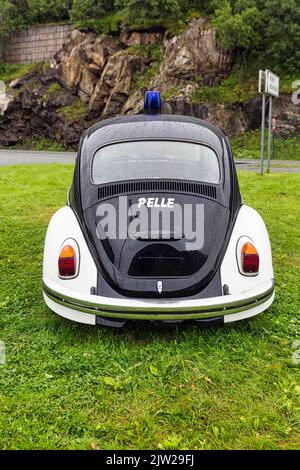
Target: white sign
{"points": [[271, 84], [268, 83], [261, 81]]}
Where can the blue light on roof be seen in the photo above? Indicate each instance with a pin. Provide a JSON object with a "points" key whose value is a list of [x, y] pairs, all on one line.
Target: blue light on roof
{"points": [[152, 103]]}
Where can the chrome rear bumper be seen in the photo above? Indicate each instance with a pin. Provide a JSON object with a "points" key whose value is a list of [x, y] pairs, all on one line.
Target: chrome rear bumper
{"points": [[149, 309]]}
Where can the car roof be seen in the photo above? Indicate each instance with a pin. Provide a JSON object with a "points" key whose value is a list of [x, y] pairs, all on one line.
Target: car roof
{"points": [[159, 126]]}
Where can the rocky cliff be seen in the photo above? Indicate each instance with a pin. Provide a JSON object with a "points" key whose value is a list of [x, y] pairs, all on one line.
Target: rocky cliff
{"points": [[96, 77]]}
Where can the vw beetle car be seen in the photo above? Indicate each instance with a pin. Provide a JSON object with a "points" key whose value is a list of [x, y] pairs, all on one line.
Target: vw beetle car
{"points": [[156, 161]]}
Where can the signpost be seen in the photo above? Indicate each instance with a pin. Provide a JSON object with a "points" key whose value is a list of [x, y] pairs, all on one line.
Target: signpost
{"points": [[268, 85]]}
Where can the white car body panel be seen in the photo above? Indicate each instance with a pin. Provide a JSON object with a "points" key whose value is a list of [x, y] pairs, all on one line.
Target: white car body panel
{"points": [[252, 312], [63, 226], [70, 314], [249, 224]]}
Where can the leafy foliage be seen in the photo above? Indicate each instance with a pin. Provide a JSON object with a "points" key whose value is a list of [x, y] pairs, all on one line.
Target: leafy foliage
{"points": [[269, 30], [19, 13], [40, 11], [10, 17], [150, 11], [239, 30], [90, 9], [282, 33]]}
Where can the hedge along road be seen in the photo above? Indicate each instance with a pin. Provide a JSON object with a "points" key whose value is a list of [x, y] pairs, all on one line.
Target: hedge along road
{"points": [[21, 157]]}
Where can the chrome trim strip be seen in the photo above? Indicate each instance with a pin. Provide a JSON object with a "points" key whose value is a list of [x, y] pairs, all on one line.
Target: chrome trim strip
{"points": [[156, 312]]}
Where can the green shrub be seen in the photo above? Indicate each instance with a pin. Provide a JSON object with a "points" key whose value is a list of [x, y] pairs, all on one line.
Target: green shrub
{"points": [[282, 34], [239, 30], [270, 30], [149, 13], [110, 23], [90, 9], [44, 11]]}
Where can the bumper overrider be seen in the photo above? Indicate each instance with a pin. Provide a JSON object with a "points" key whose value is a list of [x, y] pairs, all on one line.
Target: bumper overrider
{"points": [[166, 309]]}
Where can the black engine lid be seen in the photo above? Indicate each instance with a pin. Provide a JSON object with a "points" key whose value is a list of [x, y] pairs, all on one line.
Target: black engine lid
{"points": [[137, 267]]}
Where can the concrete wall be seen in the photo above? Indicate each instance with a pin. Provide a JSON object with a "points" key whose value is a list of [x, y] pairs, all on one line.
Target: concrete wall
{"points": [[35, 44]]}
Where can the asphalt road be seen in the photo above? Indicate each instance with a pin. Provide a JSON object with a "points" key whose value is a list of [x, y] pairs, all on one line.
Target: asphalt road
{"points": [[21, 157]]}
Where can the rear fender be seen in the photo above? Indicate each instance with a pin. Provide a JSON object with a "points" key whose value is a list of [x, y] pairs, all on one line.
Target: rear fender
{"points": [[63, 226], [248, 224]]}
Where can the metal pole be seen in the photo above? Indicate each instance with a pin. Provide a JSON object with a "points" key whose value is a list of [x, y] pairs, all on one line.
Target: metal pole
{"points": [[262, 145], [270, 132]]}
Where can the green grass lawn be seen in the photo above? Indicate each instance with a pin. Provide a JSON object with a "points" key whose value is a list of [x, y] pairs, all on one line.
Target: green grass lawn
{"points": [[69, 386]]}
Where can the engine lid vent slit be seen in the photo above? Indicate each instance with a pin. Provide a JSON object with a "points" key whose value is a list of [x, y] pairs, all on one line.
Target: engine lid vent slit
{"points": [[130, 187]]}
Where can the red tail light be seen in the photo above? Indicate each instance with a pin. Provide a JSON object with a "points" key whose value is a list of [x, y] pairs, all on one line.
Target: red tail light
{"points": [[250, 259], [67, 262]]}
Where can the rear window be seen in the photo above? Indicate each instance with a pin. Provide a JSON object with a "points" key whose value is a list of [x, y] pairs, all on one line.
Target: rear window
{"points": [[155, 159]]}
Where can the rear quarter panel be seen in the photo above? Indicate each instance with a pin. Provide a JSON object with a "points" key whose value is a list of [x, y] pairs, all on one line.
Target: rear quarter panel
{"points": [[250, 224], [64, 225]]}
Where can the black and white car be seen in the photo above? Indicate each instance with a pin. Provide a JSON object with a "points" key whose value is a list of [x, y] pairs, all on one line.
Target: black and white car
{"points": [[207, 257]]}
